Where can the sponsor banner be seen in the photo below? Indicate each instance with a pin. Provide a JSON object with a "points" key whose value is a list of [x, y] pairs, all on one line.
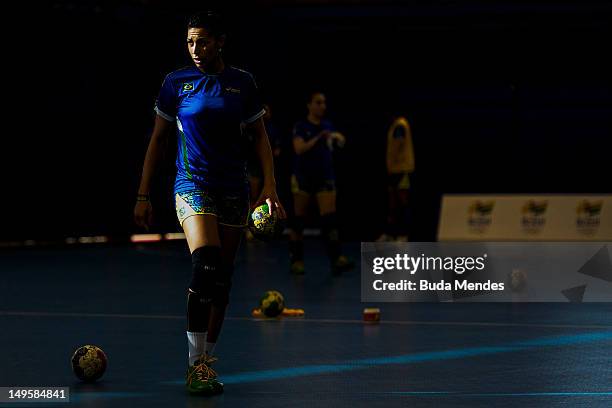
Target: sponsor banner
{"points": [[486, 272], [526, 218]]}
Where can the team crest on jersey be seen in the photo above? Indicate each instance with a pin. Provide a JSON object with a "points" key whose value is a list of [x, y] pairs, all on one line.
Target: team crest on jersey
{"points": [[187, 86], [232, 90]]}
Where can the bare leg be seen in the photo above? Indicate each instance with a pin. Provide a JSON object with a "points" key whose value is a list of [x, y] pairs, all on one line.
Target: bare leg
{"points": [[327, 202], [301, 201], [391, 227], [327, 209], [403, 213], [201, 230]]}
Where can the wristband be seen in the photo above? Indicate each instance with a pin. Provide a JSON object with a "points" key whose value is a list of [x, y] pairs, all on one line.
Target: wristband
{"points": [[142, 197]]}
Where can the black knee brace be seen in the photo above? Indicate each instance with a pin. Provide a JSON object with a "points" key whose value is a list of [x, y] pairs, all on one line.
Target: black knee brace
{"points": [[206, 263], [202, 293], [222, 285], [329, 225], [296, 251]]}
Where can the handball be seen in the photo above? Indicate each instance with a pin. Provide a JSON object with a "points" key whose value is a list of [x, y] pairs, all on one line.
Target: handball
{"points": [[272, 303], [334, 140], [89, 363], [263, 225]]}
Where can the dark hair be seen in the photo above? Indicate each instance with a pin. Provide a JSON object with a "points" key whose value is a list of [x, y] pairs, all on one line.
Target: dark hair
{"points": [[311, 94], [208, 20]]}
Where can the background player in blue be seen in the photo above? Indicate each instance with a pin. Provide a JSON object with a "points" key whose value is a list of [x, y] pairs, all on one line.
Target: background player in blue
{"points": [[313, 140], [212, 105]]}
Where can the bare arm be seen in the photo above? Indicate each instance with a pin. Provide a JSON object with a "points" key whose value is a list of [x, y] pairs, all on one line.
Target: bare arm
{"points": [[264, 152], [161, 130], [143, 212], [301, 146]]}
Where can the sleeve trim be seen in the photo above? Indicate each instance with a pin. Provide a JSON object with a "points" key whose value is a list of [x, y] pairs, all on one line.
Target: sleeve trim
{"points": [[256, 116], [164, 115]]}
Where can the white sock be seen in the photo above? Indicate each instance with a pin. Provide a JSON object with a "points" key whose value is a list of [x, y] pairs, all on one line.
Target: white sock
{"points": [[197, 345], [210, 348]]}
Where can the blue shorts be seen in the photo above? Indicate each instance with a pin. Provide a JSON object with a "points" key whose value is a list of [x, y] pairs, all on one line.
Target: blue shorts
{"points": [[230, 207], [312, 185]]}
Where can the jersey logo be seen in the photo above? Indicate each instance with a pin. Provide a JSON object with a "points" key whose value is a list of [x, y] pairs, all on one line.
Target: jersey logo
{"points": [[187, 86], [232, 90]]}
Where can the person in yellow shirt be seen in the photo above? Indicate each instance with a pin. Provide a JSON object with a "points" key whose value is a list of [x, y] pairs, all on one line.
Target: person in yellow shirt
{"points": [[400, 164]]}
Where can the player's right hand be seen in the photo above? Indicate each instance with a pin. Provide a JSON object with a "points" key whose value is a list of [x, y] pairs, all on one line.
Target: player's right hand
{"points": [[143, 214]]}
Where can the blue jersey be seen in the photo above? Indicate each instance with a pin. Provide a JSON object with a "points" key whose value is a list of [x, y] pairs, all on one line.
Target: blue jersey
{"points": [[210, 111], [317, 162]]}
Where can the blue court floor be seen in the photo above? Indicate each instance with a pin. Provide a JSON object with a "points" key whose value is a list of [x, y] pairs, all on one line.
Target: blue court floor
{"points": [[130, 301]]}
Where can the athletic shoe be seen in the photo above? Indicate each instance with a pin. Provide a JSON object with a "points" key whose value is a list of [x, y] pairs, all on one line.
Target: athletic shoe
{"points": [[202, 379]]}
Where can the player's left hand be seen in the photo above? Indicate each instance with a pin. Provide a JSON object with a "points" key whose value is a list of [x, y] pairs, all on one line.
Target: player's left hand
{"points": [[268, 195]]}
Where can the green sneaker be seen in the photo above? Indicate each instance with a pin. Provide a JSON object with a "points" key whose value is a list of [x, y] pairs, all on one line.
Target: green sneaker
{"points": [[297, 268], [202, 379], [342, 263]]}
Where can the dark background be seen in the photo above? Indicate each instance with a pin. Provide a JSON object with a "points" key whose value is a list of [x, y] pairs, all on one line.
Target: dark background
{"points": [[502, 97]]}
